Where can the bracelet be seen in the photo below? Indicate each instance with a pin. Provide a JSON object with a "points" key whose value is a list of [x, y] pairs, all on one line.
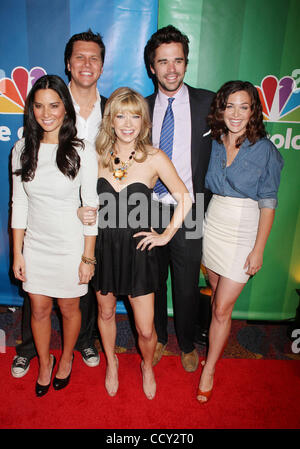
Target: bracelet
{"points": [[88, 260]]}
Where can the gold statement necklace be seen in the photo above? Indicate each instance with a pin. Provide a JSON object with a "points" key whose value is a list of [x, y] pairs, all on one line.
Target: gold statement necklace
{"points": [[120, 168]]}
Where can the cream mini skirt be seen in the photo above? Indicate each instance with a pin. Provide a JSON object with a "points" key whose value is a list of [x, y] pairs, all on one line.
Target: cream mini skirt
{"points": [[230, 229]]}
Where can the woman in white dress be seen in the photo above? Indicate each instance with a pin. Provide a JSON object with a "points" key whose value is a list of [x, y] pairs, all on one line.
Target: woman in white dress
{"points": [[243, 175], [53, 253]]}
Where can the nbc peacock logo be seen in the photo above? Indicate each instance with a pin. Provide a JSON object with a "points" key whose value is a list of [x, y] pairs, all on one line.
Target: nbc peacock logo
{"points": [[14, 90], [280, 99]]}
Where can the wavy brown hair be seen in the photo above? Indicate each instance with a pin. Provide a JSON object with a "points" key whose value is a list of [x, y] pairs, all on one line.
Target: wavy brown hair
{"points": [[123, 99], [255, 129]]}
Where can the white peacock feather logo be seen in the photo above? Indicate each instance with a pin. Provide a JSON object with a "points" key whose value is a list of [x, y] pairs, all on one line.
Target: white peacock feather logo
{"points": [[14, 90], [280, 99]]}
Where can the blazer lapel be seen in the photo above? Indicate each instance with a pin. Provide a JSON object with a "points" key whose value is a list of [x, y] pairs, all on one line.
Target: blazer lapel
{"points": [[102, 104], [195, 131], [151, 103]]}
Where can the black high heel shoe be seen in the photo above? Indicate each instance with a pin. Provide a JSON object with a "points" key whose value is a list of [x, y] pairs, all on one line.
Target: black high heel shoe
{"points": [[59, 384], [41, 390]]}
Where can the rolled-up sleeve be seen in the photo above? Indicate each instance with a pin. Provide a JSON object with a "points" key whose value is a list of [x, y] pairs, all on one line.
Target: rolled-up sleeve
{"points": [[269, 181], [19, 196], [88, 181]]}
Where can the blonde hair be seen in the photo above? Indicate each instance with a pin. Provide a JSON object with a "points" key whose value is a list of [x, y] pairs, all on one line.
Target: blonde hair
{"points": [[122, 100]]}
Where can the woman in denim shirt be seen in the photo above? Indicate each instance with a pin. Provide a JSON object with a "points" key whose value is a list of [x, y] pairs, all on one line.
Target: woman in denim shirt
{"points": [[243, 175]]}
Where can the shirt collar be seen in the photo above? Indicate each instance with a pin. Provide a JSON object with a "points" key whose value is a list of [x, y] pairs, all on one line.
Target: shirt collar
{"points": [[181, 96], [76, 105], [246, 143]]}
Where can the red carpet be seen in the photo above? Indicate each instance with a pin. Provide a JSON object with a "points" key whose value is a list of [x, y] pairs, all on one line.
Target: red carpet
{"points": [[248, 394]]}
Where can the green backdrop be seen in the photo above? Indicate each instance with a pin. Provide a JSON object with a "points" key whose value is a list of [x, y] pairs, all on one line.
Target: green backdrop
{"points": [[251, 40]]}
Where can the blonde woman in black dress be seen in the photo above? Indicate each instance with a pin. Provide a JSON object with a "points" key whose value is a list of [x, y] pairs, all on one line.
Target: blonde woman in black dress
{"points": [[126, 254]]}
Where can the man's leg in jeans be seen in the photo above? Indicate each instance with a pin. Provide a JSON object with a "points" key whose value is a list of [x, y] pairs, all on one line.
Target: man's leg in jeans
{"points": [[85, 342], [27, 347], [25, 350]]}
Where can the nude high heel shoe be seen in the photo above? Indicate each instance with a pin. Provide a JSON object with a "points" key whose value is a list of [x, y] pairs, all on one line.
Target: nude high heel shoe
{"points": [[112, 389], [149, 392]]}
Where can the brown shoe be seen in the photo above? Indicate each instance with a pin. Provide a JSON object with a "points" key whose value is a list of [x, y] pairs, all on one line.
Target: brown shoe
{"points": [[190, 361], [158, 353]]}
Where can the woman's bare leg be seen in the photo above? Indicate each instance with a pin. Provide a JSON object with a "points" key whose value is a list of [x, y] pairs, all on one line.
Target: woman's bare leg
{"points": [[71, 317], [41, 308], [224, 297], [108, 330], [143, 310]]}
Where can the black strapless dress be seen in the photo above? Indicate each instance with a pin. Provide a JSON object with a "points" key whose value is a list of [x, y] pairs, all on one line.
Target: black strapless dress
{"points": [[121, 268]]}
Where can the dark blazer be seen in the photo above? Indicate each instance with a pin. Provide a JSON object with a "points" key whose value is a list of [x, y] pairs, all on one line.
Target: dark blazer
{"points": [[200, 101], [102, 104]]}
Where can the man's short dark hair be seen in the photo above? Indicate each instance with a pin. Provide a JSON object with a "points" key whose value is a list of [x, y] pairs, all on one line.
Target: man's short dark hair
{"points": [[87, 36], [165, 35]]}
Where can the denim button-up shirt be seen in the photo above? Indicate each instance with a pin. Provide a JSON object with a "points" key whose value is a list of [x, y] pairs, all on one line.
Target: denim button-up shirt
{"points": [[254, 173]]}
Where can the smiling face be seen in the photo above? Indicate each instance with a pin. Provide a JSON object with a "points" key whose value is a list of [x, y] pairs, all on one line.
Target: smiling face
{"points": [[85, 64], [127, 126], [169, 67], [237, 112], [49, 112]]}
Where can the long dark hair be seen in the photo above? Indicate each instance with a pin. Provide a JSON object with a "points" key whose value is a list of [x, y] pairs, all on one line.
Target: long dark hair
{"points": [[67, 158], [255, 129]]}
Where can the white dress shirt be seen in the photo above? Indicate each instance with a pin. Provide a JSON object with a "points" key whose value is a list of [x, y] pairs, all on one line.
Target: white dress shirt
{"points": [[181, 155], [88, 129]]}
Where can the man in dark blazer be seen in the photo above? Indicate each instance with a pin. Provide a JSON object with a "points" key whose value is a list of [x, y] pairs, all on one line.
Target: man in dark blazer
{"points": [[84, 58], [166, 55]]}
